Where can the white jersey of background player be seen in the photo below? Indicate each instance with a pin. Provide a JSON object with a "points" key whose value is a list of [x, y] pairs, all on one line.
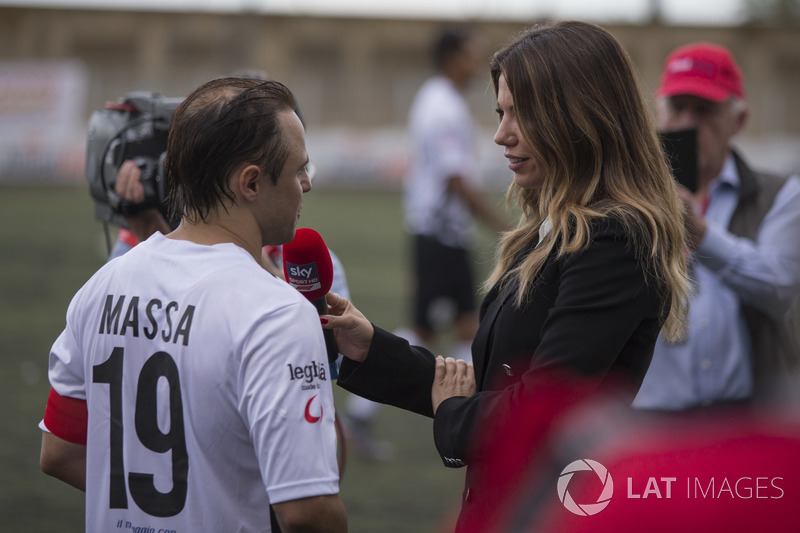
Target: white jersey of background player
{"points": [[206, 378]]}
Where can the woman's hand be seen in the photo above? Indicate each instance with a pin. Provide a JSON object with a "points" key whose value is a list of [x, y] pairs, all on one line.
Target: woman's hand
{"points": [[452, 378], [352, 330]]}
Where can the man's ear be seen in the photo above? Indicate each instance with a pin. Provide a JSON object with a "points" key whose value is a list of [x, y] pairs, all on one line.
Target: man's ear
{"points": [[741, 120], [248, 182]]}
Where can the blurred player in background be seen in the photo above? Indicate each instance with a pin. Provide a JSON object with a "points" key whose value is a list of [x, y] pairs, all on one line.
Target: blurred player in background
{"points": [[441, 196]]}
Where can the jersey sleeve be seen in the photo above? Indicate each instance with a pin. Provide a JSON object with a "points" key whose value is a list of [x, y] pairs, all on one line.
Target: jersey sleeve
{"points": [[287, 403], [66, 413], [65, 367]]}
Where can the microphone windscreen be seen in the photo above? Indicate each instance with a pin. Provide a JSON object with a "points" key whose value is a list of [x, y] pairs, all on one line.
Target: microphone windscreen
{"points": [[307, 264]]}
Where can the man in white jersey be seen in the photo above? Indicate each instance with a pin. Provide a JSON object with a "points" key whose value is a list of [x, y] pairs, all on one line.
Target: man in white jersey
{"points": [[441, 197], [190, 387]]}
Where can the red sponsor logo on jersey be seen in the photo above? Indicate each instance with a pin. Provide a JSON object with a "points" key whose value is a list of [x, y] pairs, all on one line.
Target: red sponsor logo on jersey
{"points": [[311, 419]]}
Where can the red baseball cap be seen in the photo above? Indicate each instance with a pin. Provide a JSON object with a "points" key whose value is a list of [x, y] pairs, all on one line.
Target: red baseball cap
{"points": [[701, 69]]}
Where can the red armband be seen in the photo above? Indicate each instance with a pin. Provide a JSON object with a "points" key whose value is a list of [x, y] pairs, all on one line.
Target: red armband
{"points": [[66, 417], [127, 237]]}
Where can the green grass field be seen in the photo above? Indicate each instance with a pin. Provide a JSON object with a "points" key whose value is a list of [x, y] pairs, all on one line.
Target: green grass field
{"points": [[51, 244]]}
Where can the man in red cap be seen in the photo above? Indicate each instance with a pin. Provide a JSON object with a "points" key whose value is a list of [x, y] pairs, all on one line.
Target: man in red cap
{"points": [[744, 235]]}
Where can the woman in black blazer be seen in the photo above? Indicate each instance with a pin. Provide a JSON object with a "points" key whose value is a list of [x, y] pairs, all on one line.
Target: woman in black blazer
{"points": [[593, 271]]}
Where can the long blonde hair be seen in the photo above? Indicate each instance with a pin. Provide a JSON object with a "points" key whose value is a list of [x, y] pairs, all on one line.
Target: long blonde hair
{"points": [[580, 109]]}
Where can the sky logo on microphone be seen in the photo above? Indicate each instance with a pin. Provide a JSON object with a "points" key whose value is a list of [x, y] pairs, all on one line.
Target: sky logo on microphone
{"points": [[304, 278]]}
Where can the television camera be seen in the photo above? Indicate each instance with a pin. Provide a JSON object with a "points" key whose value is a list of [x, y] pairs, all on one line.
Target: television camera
{"points": [[135, 128]]}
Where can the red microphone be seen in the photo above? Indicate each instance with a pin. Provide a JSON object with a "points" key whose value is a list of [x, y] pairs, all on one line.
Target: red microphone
{"points": [[308, 268]]}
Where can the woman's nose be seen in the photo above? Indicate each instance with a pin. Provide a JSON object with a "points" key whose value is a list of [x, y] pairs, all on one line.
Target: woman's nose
{"points": [[504, 136]]}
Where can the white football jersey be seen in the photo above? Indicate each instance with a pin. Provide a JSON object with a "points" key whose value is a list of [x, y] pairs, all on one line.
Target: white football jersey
{"points": [[207, 386], [443, 144]]}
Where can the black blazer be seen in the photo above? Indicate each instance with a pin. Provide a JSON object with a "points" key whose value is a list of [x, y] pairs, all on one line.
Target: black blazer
{"points": [[597, 313]]}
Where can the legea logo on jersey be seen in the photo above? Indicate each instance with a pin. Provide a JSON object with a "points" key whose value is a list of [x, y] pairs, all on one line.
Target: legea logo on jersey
{"points": [[310, 418], [585, 509], [308, 374], [304, 278]]}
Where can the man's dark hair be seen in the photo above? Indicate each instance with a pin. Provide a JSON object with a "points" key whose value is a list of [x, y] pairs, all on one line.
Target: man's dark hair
{"points": [[223, 124], [450, 42]]}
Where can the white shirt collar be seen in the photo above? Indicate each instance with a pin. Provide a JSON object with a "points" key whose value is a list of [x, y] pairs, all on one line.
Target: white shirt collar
{"points": [[545, 228], [728, 175]]}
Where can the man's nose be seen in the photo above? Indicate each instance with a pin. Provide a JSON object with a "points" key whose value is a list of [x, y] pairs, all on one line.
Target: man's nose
{"points": [[685, 119]]}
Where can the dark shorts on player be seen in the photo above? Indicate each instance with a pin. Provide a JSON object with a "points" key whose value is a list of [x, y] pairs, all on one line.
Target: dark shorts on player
{"points": [[441, 272]]}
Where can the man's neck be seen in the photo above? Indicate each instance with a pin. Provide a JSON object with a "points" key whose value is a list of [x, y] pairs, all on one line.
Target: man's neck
{"points": [[458, 81], [704, 182], [217, 230]]}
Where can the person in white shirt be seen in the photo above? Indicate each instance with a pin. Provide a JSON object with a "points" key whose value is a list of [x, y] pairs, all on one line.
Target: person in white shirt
{"points": [[190, 387], [441, 198]]}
